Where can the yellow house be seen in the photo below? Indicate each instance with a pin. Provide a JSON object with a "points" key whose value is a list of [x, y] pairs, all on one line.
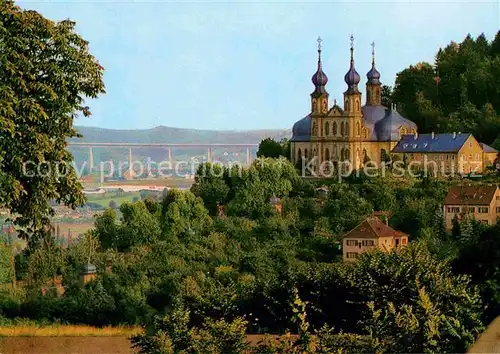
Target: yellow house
{"points": [[444, 153], [490, 155], [371, 233], [480, 202]]}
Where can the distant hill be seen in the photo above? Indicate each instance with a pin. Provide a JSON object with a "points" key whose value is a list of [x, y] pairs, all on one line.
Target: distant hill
{"points": [[164, 134]]}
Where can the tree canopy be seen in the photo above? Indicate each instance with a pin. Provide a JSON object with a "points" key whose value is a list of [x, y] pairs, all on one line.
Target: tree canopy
{"points": [[46, 73], [458, 92]]}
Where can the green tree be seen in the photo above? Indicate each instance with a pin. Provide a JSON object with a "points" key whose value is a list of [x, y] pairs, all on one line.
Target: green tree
{"points": [[458, 92], [183, 213], [210, 186], [270, 148], [386, 96], [253, 186], [345, 208], [106, 230], [172, 334], [139, 226], [416, 303], [6, 263], [45, 76]]}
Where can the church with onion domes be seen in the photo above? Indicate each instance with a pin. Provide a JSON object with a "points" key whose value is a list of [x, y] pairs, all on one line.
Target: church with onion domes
{"points": [[358, 131]]}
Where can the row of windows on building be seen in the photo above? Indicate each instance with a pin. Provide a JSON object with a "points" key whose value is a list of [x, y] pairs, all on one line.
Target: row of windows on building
{"points": [[443, 157], [360, 243], [469, 209], [344, 129], [371, 242], [344, 154]]}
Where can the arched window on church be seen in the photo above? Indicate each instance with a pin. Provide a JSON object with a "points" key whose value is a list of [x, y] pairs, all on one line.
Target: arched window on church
{"points": [[364, 133], [347, 105], [342, 129], [327, 128], [347, 155], [299, 155], [315, 129], [342, 154], [365, 156], [305, 153], [358, 129], [358, 106], [327, 154], [347, 128], [334, 128], [369, 95]]}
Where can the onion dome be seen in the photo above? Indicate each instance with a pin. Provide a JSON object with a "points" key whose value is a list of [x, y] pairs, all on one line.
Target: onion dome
{"points": [[319, 79], [352, 77], [373, 75]]}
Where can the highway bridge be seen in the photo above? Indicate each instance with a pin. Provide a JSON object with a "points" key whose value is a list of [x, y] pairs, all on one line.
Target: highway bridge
{"points": [[168, 146]]}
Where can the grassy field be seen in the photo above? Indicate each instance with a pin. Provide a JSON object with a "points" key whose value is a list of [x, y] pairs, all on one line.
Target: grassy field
{"points": [[104, 200], [75, 228], [32, 330]]}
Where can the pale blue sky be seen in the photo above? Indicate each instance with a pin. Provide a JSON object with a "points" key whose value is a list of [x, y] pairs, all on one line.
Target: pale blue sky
{"points": [[248, 65]]}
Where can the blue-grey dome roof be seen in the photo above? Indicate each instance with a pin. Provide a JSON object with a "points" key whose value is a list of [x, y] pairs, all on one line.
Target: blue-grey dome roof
{"points": [[371, 115], [301, 130], [387, 129]]}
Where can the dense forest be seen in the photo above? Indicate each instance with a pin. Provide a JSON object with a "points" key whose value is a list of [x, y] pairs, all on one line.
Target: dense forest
{"points": [[206, 267], [459, 92]]}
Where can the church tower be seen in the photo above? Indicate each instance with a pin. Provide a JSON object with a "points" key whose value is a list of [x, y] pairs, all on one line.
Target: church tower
{"points": [[319, 97], [351, 127], [352, 100], [373, 85]]}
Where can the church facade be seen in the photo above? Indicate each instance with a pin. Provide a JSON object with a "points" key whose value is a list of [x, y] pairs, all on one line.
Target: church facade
{"points": [[356, 132]]}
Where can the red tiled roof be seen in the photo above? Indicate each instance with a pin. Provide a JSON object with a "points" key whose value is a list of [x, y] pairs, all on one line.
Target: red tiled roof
{"points": [[470, 195], [373, 228]]}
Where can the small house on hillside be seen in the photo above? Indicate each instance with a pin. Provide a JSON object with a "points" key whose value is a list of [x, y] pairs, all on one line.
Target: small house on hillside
{"points": [[480, 202], [371, 233]]}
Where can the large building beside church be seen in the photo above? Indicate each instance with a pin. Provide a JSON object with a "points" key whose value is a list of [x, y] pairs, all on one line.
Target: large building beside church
{"points": [[356, 132]]}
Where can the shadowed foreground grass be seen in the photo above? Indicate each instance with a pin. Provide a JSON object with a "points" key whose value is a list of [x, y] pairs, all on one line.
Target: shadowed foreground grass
{"points": [[67, 331]]}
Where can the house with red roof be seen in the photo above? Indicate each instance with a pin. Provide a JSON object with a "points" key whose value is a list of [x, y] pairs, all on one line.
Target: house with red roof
{"points": [[482, 202], [369, 234]]}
